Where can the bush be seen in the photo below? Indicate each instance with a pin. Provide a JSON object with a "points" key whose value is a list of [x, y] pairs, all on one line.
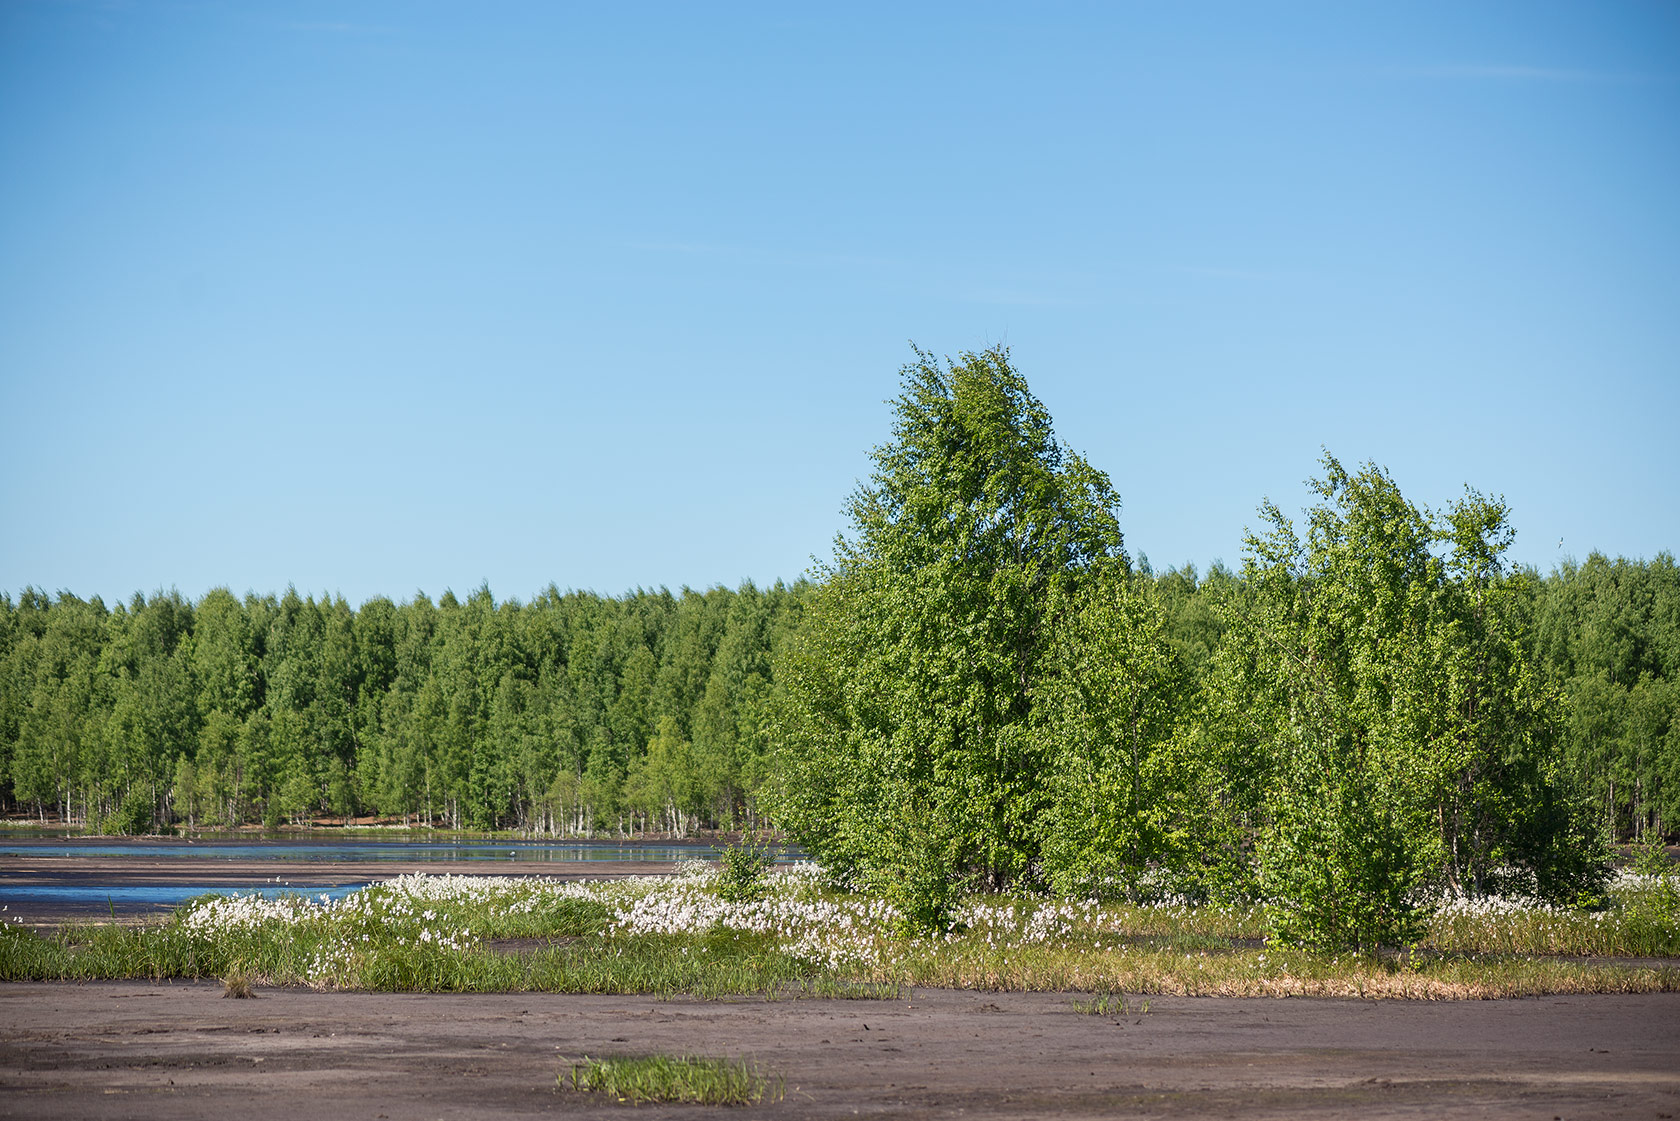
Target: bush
{"points": [[1650, 856], [741, 879]]}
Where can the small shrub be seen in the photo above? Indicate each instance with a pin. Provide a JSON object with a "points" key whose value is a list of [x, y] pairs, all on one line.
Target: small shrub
{"points": [[1336, 864], [1650, 856], [744, 867], [920, 878], [1110, 1004], [133, 816]]}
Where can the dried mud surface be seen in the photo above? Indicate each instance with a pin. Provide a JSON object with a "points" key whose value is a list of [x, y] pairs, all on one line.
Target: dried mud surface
{"points": [[179, 1050], [136, 1050]]}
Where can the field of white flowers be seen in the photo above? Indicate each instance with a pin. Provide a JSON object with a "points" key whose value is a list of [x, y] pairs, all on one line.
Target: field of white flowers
{"points": [[796, 932], [1001, 942]]}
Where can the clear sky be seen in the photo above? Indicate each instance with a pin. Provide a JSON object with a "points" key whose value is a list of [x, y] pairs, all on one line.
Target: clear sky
{"points": [[376, 297]]}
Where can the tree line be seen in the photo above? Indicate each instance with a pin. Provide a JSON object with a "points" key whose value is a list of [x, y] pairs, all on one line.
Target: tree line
{"points": [[233, 711], [574, 713], [980, 687]]}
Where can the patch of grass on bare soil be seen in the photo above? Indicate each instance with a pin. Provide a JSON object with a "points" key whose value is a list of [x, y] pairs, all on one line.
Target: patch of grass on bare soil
{"points": [[673, 1078], [707, 966], [237, 986], [1269, 971], [831, 988], [1109, 1004], [110, 952]]}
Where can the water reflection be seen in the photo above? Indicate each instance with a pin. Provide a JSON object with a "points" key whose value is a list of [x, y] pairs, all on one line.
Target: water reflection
{"points": [[124, 900], [560, 852], [71, 875]]}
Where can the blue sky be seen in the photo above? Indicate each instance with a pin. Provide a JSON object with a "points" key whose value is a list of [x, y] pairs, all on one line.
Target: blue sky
{"points": [[377, 297]]}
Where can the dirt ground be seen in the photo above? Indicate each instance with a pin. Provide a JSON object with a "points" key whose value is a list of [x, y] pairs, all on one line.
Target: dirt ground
{"points": [[182, 1051]]}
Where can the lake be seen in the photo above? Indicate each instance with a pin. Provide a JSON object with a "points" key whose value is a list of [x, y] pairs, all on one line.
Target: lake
{"points": [[46, 878]]}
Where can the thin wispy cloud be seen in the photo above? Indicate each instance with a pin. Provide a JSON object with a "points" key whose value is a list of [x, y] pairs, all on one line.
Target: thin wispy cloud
{"points": [[1509, 73], [829, 259], [1219, 273], [330, 28], [1002, 297], [749, 252]]}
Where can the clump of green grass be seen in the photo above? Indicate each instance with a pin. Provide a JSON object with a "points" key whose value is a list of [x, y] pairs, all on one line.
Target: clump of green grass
{"points": [[1109, 1004], [110, 952], [674, 1078], [237, 986], [831, 988], [1642, 920]]}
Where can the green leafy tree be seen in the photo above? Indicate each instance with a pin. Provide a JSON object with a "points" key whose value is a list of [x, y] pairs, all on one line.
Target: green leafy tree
{"points": [[61, 694], [907, 754], [1410, 743], [1125, 798], [659, 785]]}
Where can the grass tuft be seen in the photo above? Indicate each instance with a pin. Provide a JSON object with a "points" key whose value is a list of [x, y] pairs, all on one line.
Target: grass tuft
{"points": [[674, 1078], [830, 988], [237, 986], [1110, 1004]]}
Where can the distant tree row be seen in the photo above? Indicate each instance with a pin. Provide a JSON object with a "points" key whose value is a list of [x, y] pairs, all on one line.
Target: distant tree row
{"points": [[572, 714], [579, 713], [1608, 634]]}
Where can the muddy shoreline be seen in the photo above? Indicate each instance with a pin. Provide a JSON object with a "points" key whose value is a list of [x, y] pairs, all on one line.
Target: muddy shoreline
{"points": [[136, 1050], [179, 1050]]}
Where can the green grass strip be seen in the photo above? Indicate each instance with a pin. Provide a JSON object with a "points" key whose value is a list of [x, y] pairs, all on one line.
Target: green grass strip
{"points": [[674, 1078]]}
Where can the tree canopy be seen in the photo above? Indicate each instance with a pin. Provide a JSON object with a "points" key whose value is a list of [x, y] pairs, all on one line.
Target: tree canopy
{"points": [[1408, 739], [905, 726], [573, 713]]}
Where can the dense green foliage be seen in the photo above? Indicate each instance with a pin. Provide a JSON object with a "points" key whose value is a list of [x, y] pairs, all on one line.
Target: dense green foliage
{"points": [[904, 737], [984, 694], [1608, 634], [1124, 793], [1604, 644], [1379, 670], [573, 713]]}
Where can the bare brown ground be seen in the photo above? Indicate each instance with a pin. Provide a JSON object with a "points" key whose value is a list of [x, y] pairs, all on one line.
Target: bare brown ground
{"points": [[135, 1050]]}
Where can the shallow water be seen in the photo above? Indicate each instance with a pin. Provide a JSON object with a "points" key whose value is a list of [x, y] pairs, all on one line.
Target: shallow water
{"points": [[76, 876], [150, 896], [358, 851]]}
